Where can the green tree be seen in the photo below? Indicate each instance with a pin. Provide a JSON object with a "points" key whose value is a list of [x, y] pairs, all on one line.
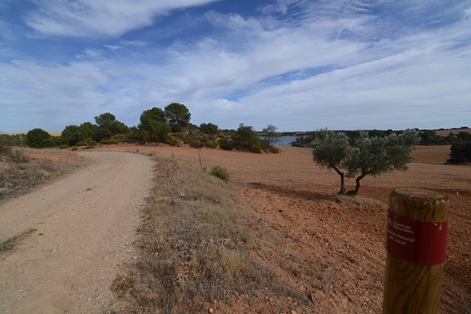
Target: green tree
{"points": [[101, 133], [88, 129], [209, 128], [464, 136], [375, 155], [150, 117], [105, 120], [153, 126], [460, 152], [118, 127], [330, 150], [270, 135], [248, 139], [35, 138], [368, 155], [108, 121], [74, 138], [72, 134], [177, 113]]}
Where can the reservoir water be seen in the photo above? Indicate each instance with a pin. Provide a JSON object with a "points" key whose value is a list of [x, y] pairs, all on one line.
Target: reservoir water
{"points": [[286, 140]]}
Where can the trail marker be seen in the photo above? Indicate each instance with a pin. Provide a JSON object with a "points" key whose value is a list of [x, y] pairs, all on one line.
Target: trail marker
{"points": [[416, 243]]}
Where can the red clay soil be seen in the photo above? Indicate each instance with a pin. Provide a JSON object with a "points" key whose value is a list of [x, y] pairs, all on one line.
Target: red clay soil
{"points": [[334, 248]]}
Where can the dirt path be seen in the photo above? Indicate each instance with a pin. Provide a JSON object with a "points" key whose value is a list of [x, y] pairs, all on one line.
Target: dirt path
{"points": [[84, 228]]}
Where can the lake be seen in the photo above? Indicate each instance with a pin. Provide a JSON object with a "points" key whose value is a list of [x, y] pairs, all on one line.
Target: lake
{"points": [[286, 140]]}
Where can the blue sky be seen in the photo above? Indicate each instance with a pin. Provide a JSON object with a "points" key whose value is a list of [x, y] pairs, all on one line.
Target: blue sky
{"points": [[296, 64]]}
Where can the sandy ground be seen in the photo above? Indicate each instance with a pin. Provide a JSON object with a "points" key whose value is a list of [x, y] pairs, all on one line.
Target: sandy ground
{"points": [[84, 225], [335, 248]]}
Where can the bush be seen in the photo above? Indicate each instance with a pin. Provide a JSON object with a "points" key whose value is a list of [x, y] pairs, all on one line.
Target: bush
{"points": [[460, 153], [47, 143], [273, 149], [176, 128], [210, 144], [196, 144], [5, 147], [171, 141], [221, 173], [109, 142], [75, 138], [120, 137], [209, 128], [35, 137], [255, 149], [101, 134], [226, 144]]}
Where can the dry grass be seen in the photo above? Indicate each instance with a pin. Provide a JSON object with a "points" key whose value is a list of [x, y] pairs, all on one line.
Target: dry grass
{"points": [[20, 171], [10, 243], [195, 248]]}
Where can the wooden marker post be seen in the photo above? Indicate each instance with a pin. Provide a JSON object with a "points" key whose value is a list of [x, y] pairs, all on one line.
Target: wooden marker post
{"points": [[199, 155], [416, 245]]}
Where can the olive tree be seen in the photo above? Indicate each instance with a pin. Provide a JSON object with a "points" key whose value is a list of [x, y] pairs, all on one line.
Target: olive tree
{"points": [[367, 156], [330, 150], [375, 155]]}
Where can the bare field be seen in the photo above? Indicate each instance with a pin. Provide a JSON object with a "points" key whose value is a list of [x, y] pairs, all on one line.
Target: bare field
{"points": [[330, 248], [454, 131], [334, 248]]}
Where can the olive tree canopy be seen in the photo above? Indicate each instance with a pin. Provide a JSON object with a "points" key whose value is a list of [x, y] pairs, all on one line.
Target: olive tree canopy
{"points": [[367, 156]]}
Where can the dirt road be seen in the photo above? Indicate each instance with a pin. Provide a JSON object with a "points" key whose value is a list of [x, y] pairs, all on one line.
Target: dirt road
{"points": [[84, 225]]}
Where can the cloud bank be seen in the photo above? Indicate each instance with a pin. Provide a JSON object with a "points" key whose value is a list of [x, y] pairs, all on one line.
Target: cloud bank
{"points": [[299, 65]]}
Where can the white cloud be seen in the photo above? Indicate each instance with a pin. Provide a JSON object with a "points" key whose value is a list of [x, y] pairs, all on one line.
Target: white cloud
{"points": [[297, 74], [112, 47], [136, 43], [91, 18]]}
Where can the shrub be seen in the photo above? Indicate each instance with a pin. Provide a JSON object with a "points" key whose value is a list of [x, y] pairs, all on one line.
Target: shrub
{"points": [[120, 137], [4, 145], [255, 149], [460, 153], [273, 149], [211, 144], [171, 141], [209, 128], [35, 137], [196, 144], [176, 128], [226, 144], [75, 138], [47, 143], [221, 173], [109, 142], [101, 134]]}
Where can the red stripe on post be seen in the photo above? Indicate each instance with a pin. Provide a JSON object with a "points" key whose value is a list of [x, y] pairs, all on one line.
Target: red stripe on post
{"points": [[420, 242]]}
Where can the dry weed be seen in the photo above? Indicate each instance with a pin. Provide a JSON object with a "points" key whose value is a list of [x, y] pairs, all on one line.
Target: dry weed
{"points": [[195, 248], [19, 171], [10, 243]]}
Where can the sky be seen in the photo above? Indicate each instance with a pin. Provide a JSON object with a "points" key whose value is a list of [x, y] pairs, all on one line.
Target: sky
{"points": [[296, 64]]}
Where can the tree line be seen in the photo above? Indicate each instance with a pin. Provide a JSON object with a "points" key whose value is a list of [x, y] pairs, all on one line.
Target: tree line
{"points": [[427, 137], [170, 125]]}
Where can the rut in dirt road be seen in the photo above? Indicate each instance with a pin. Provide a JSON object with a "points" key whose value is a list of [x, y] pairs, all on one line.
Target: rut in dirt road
{"points": [[84, 226]]}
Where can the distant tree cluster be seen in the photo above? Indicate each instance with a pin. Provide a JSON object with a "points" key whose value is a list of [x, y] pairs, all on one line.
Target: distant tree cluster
{"points": [[427, 137], [170, 125], [366, 155], [460, 153]]}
